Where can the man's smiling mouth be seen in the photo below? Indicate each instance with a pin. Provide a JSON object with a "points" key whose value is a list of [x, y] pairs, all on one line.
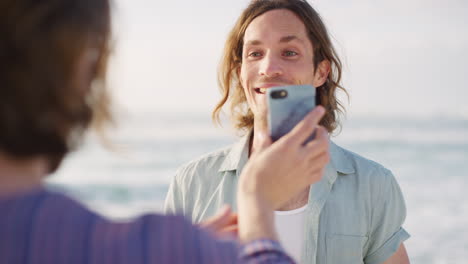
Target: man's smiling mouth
{"points": [[263, 87], [260, 90]]}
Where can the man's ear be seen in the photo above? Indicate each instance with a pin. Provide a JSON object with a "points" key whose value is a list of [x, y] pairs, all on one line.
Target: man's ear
{"points": [[321, 73]]}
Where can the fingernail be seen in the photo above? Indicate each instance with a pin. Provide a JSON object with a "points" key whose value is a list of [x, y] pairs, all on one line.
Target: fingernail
{"points": [[321, 110]]}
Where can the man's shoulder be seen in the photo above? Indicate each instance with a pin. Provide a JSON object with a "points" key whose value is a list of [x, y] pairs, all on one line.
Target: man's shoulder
{"points": [[369, 176], [205, 165], [362, 166]]}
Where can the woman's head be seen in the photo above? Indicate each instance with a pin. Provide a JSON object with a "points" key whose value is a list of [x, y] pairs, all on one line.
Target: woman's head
{"points": [[53, 57]]}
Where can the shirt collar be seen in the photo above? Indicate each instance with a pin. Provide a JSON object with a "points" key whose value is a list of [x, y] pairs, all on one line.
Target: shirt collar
{"points": [[339, 164], [239, 154], [340, 160]]}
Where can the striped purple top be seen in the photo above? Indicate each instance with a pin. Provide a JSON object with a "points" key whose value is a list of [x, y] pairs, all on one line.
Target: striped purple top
{"points": [[42, 227]]}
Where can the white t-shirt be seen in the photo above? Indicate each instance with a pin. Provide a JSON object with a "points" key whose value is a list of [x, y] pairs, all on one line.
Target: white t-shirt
{"points": [[290, 228]]}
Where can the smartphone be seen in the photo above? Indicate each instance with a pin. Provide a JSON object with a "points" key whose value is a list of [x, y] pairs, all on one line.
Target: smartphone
{"points": [[288, 105]]}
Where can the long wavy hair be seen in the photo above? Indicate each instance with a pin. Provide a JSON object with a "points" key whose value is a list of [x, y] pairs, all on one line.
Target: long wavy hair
{"points": [[228, 72]]}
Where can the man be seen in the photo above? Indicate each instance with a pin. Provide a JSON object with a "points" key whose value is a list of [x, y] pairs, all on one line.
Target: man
{"points": [[355, 213], [52, 88]]}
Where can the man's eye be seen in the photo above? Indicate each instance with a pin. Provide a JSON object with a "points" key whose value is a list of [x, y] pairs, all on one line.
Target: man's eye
{"points": [[289, 53], [255, 54]]}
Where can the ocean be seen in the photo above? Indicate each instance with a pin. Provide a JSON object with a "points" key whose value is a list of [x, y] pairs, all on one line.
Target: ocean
{"points": [[428, 156]]}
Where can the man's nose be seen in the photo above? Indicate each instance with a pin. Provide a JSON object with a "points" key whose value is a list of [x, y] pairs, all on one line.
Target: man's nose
{"points": [[270, 66]]}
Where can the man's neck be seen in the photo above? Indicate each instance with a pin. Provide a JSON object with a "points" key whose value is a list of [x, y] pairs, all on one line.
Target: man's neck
{"points": [[21, 175], [296, 202]]}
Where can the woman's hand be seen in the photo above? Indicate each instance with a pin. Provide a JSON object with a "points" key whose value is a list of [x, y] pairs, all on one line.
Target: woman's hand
{"points": [[277, 172]]}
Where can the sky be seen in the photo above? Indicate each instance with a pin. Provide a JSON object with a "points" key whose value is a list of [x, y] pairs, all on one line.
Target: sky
{"points": [[401, 57]]}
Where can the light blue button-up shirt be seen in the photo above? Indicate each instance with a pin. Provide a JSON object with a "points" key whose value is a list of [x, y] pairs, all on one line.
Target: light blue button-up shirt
{"points": [[355, 212]]}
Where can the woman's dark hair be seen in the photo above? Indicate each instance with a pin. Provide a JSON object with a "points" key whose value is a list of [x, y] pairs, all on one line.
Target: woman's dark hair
{"points": [[53, 58]]}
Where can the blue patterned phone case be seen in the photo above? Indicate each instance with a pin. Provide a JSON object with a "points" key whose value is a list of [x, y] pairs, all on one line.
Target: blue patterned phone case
{"points": [[288, 105]]}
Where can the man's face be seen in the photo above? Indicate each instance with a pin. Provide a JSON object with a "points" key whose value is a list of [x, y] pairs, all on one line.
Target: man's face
{"points": [[276, 52]]}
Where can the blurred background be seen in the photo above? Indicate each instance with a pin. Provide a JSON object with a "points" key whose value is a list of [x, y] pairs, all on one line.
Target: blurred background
{"points": [[405, 70]]}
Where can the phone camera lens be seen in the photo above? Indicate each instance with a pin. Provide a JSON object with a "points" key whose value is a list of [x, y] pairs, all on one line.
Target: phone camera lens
{"points": [[279, 94]]}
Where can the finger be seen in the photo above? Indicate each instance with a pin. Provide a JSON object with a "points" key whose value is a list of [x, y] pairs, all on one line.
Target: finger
{"points": [[234, 218], [215, 222], [306, 127], [262, 109], [231, 221], [317, 146], [316, 175], [317, 167], [261, 115], [230, 229], [321, 133], [318, 162], [229, 233]]}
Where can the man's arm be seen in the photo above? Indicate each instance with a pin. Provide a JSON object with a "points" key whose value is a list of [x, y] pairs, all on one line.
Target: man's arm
{"points": [[400, 256], [389, 213], [173, 203]]}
